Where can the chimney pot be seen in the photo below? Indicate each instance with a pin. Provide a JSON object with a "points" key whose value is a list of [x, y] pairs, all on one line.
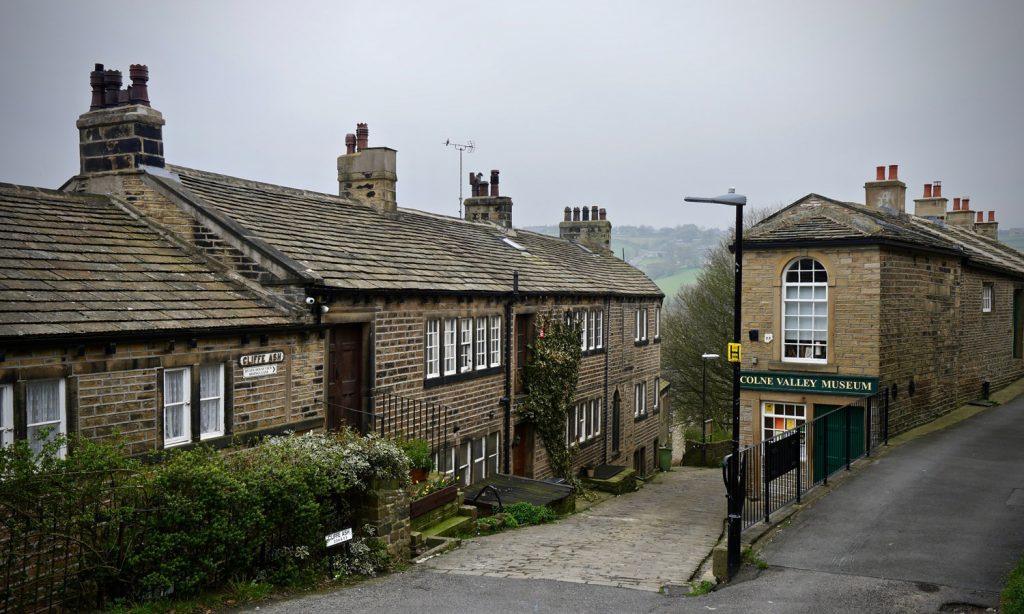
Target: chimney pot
{"points": [[111, 85], [350, 144], [586, 214], [139, 91], [927, 190], [965, 204], [991, 216], [362, 136], [494, 182], [96, 82], [604, 214], [594, 213], [981, 217], [956, 204], [937, 189], [894, 172], [575, 214], [568, 214], [879, 173]]}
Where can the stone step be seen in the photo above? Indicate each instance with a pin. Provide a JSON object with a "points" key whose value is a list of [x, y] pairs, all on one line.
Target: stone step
{"points": [[448, 526]]}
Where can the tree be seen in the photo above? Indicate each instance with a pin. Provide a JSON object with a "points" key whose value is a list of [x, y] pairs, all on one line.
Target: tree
{"points": [[699, 320]]}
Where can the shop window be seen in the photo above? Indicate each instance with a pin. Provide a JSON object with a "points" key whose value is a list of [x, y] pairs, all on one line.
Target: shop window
{"points": [[777, 418], [805, 312]]}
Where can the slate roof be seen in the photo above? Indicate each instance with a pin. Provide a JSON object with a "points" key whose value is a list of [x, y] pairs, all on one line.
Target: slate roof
{"points": [[356, 247], [74, 264], [817, 219]]}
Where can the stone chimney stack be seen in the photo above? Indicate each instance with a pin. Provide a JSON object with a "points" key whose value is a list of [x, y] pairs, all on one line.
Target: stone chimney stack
{"points": [[932, 204], [367, 174], [591, 229], [120, 131], [886, 192], [961, 215], [988, 229], [487, 205]]}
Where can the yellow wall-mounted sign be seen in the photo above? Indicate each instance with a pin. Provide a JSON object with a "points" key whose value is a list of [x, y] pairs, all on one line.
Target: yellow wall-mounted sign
{"points": [[735, 352]]}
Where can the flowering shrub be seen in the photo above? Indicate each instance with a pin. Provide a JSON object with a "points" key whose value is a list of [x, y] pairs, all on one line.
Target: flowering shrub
{"points": [[427, 487], [195, 520]]}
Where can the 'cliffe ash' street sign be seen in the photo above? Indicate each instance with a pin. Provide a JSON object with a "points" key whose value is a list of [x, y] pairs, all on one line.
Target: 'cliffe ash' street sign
{"points": [[256, 365]]}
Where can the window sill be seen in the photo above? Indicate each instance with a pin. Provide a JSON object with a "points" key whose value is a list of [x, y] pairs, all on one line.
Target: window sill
{"points": [[640, 418], [657, 339], [812, 367], [589, 443], [455, 378], [593, 352], [641, 342]]}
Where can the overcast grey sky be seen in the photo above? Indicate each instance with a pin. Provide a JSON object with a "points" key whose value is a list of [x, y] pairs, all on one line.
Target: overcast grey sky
{"points": [[629, 106]]}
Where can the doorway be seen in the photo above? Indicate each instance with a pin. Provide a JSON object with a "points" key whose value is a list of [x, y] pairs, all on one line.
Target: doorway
{"points": [[522, 451], [345, 382], [833, 427]]}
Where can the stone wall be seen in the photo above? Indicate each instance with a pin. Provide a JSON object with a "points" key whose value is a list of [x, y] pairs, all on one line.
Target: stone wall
{"points": [[385, 510]]}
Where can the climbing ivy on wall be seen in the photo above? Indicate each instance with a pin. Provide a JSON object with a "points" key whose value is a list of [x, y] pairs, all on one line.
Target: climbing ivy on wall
{"points": [[551, 375]]}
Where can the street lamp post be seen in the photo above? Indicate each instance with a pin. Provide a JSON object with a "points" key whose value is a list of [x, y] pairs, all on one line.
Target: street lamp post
{"points": [[703, 403], [735, 494]]}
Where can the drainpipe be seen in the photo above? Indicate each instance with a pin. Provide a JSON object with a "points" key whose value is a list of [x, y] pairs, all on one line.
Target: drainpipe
{"points": [[607, 350], [507, 399]]}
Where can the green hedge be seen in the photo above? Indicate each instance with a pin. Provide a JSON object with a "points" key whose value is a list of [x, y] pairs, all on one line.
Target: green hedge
{"points": [[1012, 599], [193, 521]]}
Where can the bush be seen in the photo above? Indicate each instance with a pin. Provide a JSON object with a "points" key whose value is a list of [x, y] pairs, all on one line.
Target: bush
{"points": [[418, 451], [527, 513], [193, 521], [1011, 601]]}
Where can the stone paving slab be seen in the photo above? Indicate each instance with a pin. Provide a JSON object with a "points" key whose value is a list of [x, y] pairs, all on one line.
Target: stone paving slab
{"points": [[644, 540]]}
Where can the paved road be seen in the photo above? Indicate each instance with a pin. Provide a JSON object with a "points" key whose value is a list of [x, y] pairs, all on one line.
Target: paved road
{"points": [[935, 521], [643, 540]]}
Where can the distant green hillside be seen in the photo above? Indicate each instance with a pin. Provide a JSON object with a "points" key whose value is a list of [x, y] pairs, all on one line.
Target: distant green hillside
{"points": [[670, 256], [670, 285], [1014, 237]]}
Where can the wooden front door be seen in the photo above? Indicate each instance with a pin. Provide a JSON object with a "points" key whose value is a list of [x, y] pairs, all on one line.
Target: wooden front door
{"points": [[345, 383], [522, 451]]}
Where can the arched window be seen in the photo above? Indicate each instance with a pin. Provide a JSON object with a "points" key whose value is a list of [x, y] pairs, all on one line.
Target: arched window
{"points": [[805, 312]]}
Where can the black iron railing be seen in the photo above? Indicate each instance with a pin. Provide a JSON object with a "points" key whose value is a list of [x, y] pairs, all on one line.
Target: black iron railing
{"points": [[778, 471], [403, 418]]}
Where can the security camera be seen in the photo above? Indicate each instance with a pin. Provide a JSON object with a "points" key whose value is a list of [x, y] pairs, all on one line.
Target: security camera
{"points": [[324, 308], [310, 300]]}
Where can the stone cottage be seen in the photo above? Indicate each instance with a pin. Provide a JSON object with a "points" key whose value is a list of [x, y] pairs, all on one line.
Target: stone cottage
{"points": [[296, 310]]}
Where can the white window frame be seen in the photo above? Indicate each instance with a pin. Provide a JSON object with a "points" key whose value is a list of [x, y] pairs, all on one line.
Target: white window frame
{"points": [[986, 298], [581, 317], [465, 345], [789, 421], [592, 330], [481, 342], [810, 306], [433, 349], [464, 460], [600, 328], [62, 417], [448, 356], [640, 400], [655, 400], [479, 464], [446, 468], [581, 422], [493, 450], [218, 397], [595, 416], [495, 347], [641, 324], [657, 322], [6, 415], [185, 406]]}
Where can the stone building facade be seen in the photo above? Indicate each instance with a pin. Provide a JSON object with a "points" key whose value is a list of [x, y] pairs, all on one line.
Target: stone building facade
{"points": [[320, 310], [842, 300]]}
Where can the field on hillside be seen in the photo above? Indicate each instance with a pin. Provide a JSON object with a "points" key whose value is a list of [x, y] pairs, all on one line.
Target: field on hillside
{"points": [[670, 285]]}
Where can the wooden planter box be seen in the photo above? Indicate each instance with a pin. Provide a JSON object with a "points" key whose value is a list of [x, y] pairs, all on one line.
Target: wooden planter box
{"points": [[433, 501]]}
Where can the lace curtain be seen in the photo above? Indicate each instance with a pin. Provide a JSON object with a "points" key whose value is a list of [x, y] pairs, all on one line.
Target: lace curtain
{"points": [[211, 393], [43, 404]]}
